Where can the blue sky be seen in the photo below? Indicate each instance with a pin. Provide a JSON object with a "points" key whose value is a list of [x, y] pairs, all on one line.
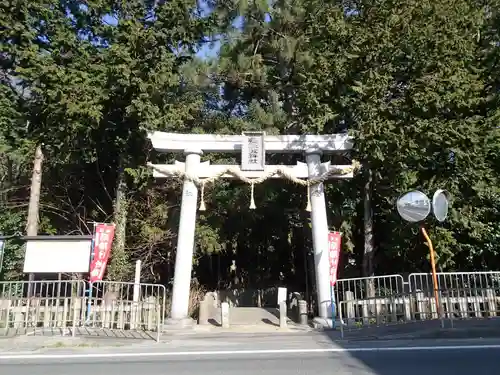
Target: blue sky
{"points": [[209, 51]]}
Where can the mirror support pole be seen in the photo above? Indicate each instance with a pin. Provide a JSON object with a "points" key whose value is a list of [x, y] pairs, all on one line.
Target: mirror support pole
{"points": [[433, 267]]}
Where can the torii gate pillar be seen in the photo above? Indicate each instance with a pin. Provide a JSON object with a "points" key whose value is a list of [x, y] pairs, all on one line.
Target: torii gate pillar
{"points": [[319, 226], [193, 146], [185, 240]]}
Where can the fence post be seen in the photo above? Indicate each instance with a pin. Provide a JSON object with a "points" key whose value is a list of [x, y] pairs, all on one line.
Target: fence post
{"points": [[302, 304], [283, 311], [73, 328], [463, 305], [349, 299], [491, 302], [420, 296], [407, 303], [224, 308], [158, 326], [203, 314], [136, 296], [341, 319], [365, 312], [450, 310], [394, 309]]}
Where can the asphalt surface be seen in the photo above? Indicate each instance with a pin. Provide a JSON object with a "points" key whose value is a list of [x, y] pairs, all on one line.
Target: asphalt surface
{"points": [[367, 359]]}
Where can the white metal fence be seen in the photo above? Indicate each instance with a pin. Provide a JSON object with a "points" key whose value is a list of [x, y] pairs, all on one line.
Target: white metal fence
{"points": [[76, 307], [385, 300]]}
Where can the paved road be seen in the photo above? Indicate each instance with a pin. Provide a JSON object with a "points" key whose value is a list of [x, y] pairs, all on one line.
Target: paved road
{"points": [[384, 360]]}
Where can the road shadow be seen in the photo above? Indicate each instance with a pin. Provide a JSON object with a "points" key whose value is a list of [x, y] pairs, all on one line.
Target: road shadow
{"points": [[269, 322], [214, 322], [467, 347]]}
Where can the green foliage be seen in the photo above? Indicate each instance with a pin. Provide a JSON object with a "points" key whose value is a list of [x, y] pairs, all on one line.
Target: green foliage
{"points": [[12, 223], [410, 83], [416, 82]]}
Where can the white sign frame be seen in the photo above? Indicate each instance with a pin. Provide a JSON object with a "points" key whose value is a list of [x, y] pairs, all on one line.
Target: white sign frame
{"points": [[57, 255]]}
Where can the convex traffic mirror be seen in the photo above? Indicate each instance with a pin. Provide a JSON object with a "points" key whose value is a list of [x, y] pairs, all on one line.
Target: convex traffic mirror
{"points": [[415, 206]]}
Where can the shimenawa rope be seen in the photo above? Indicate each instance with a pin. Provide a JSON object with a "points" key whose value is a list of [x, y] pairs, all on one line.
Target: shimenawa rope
{"points": [[234, 171]]}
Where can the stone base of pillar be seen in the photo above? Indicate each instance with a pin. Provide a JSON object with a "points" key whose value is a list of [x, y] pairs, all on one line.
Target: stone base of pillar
{"points": [[322, 323], [185, 324]]}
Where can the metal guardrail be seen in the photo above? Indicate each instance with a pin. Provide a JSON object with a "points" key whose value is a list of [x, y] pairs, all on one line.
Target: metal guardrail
{"points": [[369, 287], [454, 280], [382, 301], [72, 306], [47, 304], [125, 303]]}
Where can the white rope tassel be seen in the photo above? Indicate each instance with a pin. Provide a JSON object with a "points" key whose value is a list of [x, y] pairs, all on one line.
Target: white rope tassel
{"points": [[252, 200], [202, 197], [308, 207]]}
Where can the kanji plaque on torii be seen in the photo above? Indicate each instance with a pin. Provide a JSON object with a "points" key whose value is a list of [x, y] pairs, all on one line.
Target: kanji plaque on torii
{"points": [[253, 152], [253, 170]]}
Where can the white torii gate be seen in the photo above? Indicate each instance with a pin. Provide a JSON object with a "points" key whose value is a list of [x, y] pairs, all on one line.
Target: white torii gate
{"points": [[253, 147]]}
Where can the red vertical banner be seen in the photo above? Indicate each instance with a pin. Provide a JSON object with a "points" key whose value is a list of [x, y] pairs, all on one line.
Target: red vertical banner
{"points": [[334, 241], [103, 239]]}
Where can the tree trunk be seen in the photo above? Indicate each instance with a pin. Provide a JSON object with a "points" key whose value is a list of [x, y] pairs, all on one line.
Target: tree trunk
{"points": [[368, 254], [34, 203], [119, 267]]}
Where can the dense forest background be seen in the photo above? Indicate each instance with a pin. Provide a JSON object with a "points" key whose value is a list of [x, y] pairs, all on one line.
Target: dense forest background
{"points": [[416, 82]]}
